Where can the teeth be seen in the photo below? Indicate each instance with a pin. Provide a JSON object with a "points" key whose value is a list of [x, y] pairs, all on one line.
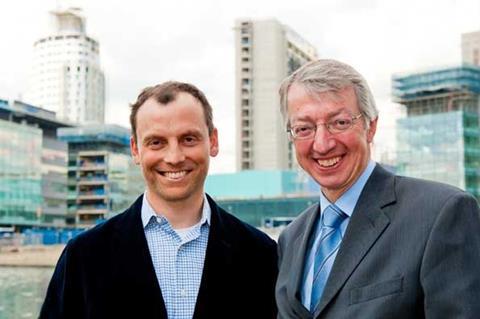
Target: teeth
{"points": [[329, 162], [175, 175]]}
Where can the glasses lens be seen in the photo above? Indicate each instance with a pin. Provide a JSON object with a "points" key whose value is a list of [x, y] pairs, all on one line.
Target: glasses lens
{"points": [[340, 125], [303, 131]]}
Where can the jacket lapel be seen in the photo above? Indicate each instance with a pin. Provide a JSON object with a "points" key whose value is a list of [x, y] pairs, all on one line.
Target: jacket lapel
{"points": [[134, 263], [298, 258], [218, 261], [367, 224]]}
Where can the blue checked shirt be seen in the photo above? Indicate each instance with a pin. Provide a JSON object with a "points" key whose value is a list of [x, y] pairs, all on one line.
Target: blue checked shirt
{"points": [[178, 258]]}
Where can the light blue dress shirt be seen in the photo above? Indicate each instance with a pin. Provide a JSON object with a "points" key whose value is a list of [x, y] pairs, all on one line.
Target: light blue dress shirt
{"points": [[346, 203], [178, 257]]}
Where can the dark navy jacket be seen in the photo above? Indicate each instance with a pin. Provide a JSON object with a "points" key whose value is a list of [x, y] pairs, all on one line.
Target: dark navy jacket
{"points": [[107, 272]]}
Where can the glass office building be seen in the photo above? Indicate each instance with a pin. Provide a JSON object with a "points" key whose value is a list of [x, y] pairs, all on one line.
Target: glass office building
{"points": [[440, 137], [31, 158], [20, 174], [257, 195]]}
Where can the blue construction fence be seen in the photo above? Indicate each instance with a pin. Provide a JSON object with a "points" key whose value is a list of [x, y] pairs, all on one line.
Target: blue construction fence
{"points": [[49, 236]]}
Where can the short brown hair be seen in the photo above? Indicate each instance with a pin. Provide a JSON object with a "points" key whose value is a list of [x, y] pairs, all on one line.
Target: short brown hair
{"points": [[165, 93]]}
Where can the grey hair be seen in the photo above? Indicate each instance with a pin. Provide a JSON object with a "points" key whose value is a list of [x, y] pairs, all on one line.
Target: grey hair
{"points": [[330, 76]]}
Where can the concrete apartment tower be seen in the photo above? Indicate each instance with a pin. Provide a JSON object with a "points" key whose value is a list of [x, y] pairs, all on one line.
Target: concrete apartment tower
{"points": [[266, 51], [471, 48], [66, 76]]}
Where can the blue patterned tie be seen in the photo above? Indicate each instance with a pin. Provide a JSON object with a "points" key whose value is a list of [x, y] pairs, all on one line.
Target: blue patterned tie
{"points": [[327, 250]]}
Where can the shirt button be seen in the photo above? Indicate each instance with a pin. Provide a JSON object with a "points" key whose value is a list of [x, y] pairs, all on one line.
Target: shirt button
{"points": [[183, 292]]}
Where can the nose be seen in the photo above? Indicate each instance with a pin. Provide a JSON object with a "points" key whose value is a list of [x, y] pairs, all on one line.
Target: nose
{"points": [[323, 141], [174, 154]]}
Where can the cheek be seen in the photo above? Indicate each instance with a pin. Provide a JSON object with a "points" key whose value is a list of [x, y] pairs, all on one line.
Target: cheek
{"points": [[302, 148]]}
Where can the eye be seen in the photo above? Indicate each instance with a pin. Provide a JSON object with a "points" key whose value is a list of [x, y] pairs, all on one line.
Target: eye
{"points": [[190, 140], [155, 143], [341, 124], [303, 130]]}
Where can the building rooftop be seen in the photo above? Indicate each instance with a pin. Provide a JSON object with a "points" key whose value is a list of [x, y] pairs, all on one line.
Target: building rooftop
{"points": [[18, 112], [443, 80], [96, 133]]}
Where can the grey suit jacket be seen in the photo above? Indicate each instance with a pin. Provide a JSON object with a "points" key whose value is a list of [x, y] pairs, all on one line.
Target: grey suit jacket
{"points": [[411, 250]]}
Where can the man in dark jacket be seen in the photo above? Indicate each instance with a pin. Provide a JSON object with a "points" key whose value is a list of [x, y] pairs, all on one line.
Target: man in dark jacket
{"points": [[174, 253]]}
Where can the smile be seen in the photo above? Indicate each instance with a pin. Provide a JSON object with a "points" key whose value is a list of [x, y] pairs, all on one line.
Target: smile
{"points": [[329, 162], [177, 175]]}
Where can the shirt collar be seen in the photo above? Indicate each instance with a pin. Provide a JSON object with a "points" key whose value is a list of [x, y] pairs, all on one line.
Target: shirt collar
{"points": [[148, 212], [349, 199]]}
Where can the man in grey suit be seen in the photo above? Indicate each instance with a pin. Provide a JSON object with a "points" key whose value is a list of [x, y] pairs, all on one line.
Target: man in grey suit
{"points": [[376, 245]]}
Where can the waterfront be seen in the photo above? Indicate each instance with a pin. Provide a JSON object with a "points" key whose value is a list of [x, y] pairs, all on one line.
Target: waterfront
{"points": [[22, 290]]}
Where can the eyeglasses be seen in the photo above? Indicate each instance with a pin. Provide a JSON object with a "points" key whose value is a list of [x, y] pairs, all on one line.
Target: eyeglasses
{"points": [[335, 126]]}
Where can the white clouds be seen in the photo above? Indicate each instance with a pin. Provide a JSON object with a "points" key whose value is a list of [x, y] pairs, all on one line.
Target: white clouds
{"points": [[145, 42]]}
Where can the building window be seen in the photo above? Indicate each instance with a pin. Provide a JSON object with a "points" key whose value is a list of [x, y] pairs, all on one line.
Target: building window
{"points": [[245, 81], [245, 102], [245, 40]]}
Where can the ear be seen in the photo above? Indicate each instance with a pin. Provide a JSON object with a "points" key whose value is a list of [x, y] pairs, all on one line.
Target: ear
{"points": [[134, 150], [372, 130], [214, 142]]}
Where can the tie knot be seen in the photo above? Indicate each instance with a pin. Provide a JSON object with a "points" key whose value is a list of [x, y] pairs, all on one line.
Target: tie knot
{"points": [[333, 216]]}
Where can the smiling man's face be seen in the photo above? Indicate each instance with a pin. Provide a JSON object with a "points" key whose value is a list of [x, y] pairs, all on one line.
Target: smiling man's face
{"points": [[173, 148], [335, 161]]}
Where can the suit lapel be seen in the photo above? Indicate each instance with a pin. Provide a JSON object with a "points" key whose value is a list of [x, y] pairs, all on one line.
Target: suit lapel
{"points": [[298, 258], [218, 261], [367, 224], [134, 263]]}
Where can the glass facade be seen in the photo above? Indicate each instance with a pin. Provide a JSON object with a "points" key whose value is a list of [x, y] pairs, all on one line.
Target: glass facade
{"points": [[256, 211], [54, 181], [440, 138], [432, 147], [260, 184], [20, 174]]}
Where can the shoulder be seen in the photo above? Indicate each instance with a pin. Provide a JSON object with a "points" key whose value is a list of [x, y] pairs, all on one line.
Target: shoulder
{"points": [[298, 226], [102, 234], [420, 190]]}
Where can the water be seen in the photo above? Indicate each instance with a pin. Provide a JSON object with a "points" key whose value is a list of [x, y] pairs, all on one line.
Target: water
{"points": [[22, 290]]}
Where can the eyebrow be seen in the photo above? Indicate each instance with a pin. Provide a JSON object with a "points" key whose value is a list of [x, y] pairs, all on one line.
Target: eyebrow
{"points": [[329, 115], [153, 136]]}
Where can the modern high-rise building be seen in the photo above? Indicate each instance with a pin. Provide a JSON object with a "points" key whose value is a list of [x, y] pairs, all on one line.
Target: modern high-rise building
{"points": [[440, 137], [266, 52], [66, 76], [471, 48]]}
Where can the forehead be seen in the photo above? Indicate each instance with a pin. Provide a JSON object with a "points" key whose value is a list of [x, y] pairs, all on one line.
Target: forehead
{"points": [[303, 103], [182, 114]]}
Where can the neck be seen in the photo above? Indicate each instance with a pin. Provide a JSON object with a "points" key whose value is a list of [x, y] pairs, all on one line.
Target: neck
{"points": [[181, 213]]}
